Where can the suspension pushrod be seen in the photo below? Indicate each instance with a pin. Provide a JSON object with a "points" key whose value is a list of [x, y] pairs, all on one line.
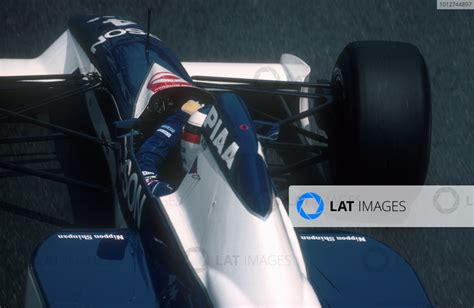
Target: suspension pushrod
{"points": [[54, 99], [298, 165], [274, 92], [51, 176], [32, 138], [41, 77], [293, 146], [263, 81], [297, 129], [306, 113], [61, 129], [20, 211]]}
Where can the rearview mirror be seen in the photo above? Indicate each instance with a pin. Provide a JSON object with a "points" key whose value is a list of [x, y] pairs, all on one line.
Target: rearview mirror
{"points": [[267, 130], [126, 128], [126, 124]]}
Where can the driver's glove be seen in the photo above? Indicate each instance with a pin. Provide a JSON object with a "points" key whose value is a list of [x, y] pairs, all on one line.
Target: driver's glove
{"points": [[191, 106]]}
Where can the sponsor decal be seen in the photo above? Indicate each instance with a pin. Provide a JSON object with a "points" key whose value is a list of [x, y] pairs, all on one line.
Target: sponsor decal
{"points": [[219, 136], [164, 132], [131, 191], [88, 237], [114, 33], [351, 238], [171, 129]]}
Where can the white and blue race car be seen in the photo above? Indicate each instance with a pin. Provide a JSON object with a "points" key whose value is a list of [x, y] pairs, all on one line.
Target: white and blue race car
{"points": [[223, 237]]}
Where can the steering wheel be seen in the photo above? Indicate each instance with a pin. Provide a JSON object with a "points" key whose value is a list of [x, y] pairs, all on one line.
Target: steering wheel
{"points": [[168, 101]]}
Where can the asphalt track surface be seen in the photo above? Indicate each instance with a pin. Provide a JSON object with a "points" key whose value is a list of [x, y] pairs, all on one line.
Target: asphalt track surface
{"points": [[259, 31]]}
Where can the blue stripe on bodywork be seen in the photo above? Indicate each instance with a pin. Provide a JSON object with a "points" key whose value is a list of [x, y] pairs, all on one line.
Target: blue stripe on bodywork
{"points": [[248, 175], [352, 270], [105, 268], [76, 268], [122, 60]]}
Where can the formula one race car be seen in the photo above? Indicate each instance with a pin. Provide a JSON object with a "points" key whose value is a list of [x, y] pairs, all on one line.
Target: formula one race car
{"points": [[224, 238]]}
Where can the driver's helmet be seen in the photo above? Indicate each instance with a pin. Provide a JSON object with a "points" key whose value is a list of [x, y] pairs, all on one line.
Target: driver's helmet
{"points": [[191, 137]]}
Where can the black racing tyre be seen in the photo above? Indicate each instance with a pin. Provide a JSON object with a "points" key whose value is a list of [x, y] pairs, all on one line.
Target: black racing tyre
{"points": [[382, 114]]}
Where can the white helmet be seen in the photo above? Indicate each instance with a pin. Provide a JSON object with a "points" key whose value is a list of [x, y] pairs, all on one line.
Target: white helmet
{"points": [[191, 137]]}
